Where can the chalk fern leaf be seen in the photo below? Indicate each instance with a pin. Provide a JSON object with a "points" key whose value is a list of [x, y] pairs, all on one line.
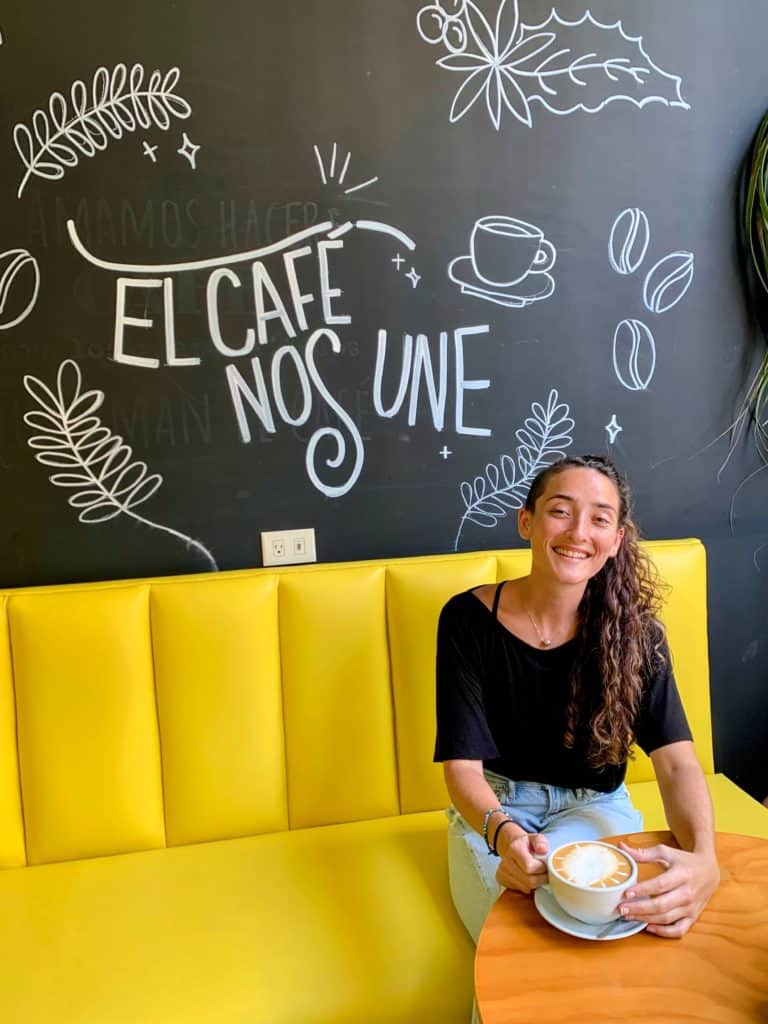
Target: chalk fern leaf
{"points": [[117, 102], [543, 438], [91, 461]]}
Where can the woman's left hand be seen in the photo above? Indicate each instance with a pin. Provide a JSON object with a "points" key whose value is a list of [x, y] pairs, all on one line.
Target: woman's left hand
{"points": [[671, 901]]}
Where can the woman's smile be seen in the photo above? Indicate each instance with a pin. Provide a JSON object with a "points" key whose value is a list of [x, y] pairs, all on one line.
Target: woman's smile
{"points": [[571, 553]]}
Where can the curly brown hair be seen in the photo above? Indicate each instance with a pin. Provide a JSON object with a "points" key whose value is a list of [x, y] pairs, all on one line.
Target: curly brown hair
{"points": [[619, 635]]}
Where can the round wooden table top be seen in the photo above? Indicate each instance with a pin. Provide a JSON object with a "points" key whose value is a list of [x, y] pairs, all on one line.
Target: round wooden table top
{"points": [[528, 971]]}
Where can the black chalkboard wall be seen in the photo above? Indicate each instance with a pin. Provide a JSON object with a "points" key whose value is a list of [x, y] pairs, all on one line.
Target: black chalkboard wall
{"points": [[361, 265]]}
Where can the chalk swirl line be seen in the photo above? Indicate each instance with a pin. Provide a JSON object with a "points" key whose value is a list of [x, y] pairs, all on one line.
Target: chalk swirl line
{"points": [[94, 463], [325, 228]]}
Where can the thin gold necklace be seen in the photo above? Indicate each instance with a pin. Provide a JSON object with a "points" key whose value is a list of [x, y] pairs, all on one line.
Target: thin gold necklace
{"points": [[545, 641]]}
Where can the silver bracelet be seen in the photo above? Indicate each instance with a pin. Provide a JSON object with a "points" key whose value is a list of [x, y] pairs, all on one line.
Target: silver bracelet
{"points": [[486, 819]]}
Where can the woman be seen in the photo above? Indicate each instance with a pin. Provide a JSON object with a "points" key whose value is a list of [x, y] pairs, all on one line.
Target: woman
{"points": [[543, 684]]}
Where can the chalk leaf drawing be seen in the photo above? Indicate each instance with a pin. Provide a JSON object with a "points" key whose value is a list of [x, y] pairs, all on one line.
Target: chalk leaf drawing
{"points": [[509, 65], [91, 461], [634, 355], [543, 438], [508, 262], [118, 102], [19, 285]]}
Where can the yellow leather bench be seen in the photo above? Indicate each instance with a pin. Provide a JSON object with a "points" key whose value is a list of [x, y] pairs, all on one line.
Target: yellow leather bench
{"points": [[217, 801]]}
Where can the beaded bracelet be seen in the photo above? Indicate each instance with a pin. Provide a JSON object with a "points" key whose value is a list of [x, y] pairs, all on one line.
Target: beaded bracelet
{"points": [[499, 827], [486, 819]]}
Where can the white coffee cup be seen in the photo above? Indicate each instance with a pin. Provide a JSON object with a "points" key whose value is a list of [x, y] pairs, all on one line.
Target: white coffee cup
{"points": [[588, 879], [504, 250]]}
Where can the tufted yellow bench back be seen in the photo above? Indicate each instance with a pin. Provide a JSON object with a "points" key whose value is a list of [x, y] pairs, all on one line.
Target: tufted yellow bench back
{"points": [[135, 715]]}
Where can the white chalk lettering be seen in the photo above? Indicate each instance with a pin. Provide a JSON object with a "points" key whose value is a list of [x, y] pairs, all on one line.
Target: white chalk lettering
{"points": [[405, 372], [239, 389], [299, 300], [417, 365], [326, 292], [214, 324], [263, 282], [331, 432], [171, 358], [256, 397], [122, 321], [422, 366], [463, 385], [288, 351]]}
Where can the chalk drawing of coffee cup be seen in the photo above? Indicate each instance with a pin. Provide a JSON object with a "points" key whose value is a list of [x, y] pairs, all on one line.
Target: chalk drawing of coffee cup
{"points": [[508, 262]]}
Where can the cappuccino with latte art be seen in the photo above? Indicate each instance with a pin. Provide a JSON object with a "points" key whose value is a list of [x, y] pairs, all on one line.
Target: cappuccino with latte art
{"points": [[589, 878], [594, 864]]}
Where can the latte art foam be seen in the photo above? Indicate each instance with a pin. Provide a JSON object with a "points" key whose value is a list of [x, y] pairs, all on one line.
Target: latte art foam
{"points": [[599, 867]]}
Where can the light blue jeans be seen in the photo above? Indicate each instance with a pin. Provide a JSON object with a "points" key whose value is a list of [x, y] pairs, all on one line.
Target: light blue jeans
{"points": [[562, 815]]}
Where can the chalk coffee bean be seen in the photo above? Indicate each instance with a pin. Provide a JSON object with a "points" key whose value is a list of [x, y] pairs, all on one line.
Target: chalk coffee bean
{"points": [[634, 354], [19, 283], [629, 240], [668, 281]]}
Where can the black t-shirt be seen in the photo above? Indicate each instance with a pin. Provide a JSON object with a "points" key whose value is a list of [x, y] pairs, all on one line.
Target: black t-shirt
{"points": [[504, 702]]}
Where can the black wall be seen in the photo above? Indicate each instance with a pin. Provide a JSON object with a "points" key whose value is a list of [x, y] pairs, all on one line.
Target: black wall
{"points": [[154, 471]]}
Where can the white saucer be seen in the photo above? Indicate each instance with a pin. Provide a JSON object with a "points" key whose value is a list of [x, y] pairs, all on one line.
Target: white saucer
{"points": [[536, 285], [553, 913]]}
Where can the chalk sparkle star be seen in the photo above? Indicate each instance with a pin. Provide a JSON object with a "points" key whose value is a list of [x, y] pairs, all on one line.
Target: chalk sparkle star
{"points": [[398, 261], [189, 151], [613, 428], [413, 277], [150, 152], [445, 451]]}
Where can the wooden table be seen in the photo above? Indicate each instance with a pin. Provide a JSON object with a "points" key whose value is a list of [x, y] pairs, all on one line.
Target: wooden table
{"points": [[527, 971]]}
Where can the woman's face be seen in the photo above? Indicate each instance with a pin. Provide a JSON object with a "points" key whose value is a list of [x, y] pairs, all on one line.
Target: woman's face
{"points": [[574, 527]]}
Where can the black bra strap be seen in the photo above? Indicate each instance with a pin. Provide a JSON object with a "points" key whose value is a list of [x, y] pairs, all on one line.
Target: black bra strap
{"points": [[496, 598]]}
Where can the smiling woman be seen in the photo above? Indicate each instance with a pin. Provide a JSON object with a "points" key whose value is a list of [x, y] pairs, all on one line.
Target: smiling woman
{"points": [[543, 685]]}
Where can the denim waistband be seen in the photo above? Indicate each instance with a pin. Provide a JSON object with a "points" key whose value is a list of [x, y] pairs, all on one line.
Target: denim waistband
{"points": [[553, 798]]}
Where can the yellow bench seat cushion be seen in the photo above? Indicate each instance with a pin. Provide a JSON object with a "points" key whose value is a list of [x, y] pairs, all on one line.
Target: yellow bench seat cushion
{"points": [[338, 924], [735, 810], [343, 923]]}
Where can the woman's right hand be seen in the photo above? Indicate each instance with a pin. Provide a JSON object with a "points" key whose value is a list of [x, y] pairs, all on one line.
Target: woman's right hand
{"points": [[522, 864]]}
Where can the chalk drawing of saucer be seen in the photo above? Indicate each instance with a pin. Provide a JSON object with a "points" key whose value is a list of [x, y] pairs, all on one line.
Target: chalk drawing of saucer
{"points": [[535, 286]]}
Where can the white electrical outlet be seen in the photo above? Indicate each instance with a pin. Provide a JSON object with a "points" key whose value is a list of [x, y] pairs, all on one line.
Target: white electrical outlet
{"points": [[287, 547]]}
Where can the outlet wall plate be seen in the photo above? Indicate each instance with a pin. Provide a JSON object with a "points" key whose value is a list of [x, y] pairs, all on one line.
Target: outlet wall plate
{"points": [[288, 547]]}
